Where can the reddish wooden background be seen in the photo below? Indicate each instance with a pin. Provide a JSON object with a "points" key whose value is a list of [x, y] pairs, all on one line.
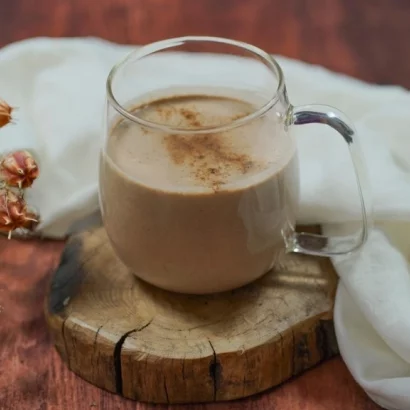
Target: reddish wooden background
{"points": [[366, 39]]}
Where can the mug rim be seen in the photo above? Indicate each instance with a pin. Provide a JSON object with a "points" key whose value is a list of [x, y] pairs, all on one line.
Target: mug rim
{"points": [[154, 47]]}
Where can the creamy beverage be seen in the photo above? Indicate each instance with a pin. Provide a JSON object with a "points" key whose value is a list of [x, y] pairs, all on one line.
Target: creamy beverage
{"points": [[193, 211]]}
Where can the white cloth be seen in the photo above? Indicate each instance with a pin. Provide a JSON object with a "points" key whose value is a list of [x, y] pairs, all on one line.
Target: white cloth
{"points": [[59, 87]]}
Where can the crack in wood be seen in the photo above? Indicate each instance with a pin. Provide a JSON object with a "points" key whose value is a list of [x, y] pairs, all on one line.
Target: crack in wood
{"points": [[96, 336], [166, 390], [215, 371], [117, 356], [303, 352], [326, 339], [282, 353], [293, 352], [95, 354], [244, 381]]}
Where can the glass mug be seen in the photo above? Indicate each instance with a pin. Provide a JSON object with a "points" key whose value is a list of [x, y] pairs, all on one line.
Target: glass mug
{"points": [[199, 172]]}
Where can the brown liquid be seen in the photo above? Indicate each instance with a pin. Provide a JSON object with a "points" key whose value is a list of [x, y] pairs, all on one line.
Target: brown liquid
{"points": [[198, 213]]}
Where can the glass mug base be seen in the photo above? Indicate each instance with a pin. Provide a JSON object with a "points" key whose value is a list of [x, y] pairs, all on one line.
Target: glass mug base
{"points": [[195, 279], [199, 172]]}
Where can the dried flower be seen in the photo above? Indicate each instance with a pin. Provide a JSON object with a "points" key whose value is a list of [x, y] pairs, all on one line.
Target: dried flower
{"points": [[19, 169], [5, 113], [11, 210], [31, 220], [14, 214]]}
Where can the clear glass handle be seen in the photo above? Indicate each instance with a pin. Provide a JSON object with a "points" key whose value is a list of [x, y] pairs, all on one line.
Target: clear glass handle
{"points": [[315, 244]]}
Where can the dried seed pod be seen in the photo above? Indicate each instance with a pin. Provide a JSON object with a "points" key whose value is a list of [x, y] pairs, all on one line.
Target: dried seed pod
{"points": [[5, 113], [14, 214], [10, 201], [31, 220], [19, 169], [11, 210]]}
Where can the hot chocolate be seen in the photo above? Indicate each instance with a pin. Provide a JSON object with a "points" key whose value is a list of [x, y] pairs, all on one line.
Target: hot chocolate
{"points": [[195, 211]]}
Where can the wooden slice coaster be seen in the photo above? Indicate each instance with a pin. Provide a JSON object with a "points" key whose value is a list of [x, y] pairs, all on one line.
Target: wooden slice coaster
{"points": [[138, 341]]}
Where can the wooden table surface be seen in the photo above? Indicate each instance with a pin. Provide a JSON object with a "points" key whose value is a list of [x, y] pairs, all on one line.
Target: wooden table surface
{"points": [[366, 39]]}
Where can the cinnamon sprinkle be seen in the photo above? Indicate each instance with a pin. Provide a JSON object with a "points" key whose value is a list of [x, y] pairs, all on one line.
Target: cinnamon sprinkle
{"points": [[211, 161], [191, 117]]}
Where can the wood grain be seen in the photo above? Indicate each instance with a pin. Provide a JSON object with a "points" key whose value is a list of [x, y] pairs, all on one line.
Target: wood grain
{"points": [[141, 342], [365, 39], [37, 379]]}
